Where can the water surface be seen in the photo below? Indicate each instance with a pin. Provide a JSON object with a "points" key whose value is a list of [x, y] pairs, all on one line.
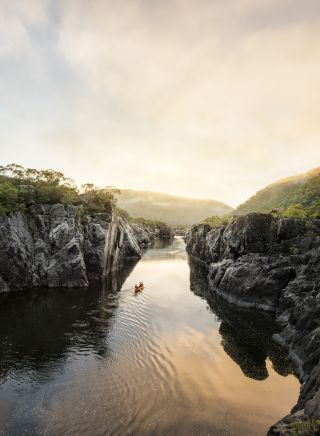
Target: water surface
{"points": [[104, 361]]}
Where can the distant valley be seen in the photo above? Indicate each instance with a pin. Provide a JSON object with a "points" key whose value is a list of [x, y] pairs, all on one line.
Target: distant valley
{"points": [[170, 209]]}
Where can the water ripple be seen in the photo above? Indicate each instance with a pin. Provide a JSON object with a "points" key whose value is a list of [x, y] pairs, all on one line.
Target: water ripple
{"points": [[81, 362]]}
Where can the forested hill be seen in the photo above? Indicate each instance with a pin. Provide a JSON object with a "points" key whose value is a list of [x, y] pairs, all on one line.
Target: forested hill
{"points": [[300, 192], [170, 209]]}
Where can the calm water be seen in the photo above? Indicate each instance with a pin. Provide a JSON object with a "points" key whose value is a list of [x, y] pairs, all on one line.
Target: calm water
{"points": [[164, 362]]}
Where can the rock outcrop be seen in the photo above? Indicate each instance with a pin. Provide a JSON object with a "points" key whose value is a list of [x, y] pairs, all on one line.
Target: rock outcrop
{"points": [[121, 245], [272, 264], [56, 246], [144, 234], [147, 236]]}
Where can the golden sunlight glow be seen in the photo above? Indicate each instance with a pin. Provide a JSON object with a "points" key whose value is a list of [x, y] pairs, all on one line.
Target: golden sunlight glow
{"points": [[212, 99]]}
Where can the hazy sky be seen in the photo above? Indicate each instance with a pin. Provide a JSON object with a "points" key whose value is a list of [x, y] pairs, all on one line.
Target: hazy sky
{"points": [[205, 98]]}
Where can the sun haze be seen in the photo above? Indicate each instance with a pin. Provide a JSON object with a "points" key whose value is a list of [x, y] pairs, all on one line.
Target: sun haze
{"points": [[210, 99]]}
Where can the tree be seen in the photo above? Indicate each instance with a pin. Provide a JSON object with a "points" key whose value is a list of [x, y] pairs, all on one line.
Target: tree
{"points": [[97, 199], [8, 197], [21, 187]]}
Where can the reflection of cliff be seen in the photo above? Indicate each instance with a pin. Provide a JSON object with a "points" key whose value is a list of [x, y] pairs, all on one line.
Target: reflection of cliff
{"points": [[246, 334], [38, 329], [113, 281]]}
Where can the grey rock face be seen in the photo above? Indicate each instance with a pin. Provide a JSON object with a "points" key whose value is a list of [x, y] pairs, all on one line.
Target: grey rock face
{"points": [[121, 244], [67, 267], [255, 281], [94, 244], [248, 234], [16, 252], [272, 264], [203, 243], [50, 246], [148, 236], [144, 234], [290, 228]]}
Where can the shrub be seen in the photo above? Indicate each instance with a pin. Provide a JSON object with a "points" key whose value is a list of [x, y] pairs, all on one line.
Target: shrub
{"points": [[123, 214], [165, 231], [96, 199], [314, 210], [294, 211], [300, 211], [217, 221], [310, 426]]}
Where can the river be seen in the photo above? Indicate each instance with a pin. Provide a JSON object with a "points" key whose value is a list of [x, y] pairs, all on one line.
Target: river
{"points": [[104, 361]]}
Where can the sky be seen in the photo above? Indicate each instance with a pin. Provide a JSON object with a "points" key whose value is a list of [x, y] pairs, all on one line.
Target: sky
{"points": [[202, 98]]}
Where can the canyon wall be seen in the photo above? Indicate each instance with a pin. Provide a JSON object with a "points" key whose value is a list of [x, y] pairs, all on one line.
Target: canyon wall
{"points": [[272, 264], [59, 246]]}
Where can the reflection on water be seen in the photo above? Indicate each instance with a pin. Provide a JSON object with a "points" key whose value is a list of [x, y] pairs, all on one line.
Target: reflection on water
{"points": [[246, 334], [106, 361]]}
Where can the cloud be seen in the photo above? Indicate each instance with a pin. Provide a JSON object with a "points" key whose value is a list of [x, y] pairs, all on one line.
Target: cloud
{"points": [[206, 98]]}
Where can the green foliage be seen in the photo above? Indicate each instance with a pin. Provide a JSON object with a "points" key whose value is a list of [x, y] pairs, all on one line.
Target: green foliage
{"points": [[56, 194], [294, 211], [313, 211], [20, 187], [300, 211], [123, 214], [217, 221], [8, 196], [310, 426], [302, 190], [171, 209], [165, 231], [96, 199], [40, 186]]}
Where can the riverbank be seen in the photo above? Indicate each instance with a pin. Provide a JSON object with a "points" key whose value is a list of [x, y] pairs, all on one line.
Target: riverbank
{"points": [[272, 264]]}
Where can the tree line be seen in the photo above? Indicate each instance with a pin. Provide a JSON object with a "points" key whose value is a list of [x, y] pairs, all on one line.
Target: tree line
{"points": [[21, 187]]}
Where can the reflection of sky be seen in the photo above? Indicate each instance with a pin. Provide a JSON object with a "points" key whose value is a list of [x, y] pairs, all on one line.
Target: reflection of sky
{"points": [[173, 251], [167, 283], [198, 97]]}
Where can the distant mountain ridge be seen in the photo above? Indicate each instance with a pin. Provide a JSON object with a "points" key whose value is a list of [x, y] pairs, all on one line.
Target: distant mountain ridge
{"points": [[301, 189], [171, 209]]}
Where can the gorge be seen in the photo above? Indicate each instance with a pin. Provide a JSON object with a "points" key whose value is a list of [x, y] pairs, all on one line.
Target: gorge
{"points": [[159, 218], [256, 262]]}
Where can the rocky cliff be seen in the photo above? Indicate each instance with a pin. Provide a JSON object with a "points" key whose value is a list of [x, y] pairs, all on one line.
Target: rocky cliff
{"points": [[58, 246], [147, 236], [272, 264]]}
